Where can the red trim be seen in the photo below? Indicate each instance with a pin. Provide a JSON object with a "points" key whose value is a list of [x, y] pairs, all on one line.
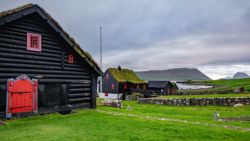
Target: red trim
{"points": [[22, 95], [71, 59], [107, 76], [34, 42], [125, 86]]}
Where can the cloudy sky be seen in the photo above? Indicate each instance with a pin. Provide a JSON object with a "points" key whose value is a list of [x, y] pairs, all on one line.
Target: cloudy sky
{"points": [[211, 35]]}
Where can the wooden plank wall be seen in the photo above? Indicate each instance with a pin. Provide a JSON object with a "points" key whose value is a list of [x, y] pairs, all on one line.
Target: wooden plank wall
{"points": [[50, 66]]}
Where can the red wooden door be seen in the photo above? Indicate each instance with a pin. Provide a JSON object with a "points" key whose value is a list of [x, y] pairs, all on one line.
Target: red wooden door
{"points": [[22, 95]]}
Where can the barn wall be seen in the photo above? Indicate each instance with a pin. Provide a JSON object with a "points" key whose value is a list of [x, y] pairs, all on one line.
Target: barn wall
{"points": [[60, 83], [169, 89], [94, 91], [166, 90], [106, 84]]}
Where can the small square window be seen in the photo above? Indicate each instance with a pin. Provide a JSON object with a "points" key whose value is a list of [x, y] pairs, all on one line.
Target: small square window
{"points": [[71, 58], [107, 76], [34, 42], [125, 86], [112, 86]]}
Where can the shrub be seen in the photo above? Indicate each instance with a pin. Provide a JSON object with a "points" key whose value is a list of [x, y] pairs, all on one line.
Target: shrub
{"points": [[134, 96]]}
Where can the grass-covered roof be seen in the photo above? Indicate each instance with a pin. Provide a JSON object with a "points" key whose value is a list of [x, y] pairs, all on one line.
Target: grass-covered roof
{"points": [[125, 75], [174, 85]]}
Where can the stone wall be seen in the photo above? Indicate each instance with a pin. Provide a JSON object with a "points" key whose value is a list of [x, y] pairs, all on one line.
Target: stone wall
{"points": [[195, 101]]}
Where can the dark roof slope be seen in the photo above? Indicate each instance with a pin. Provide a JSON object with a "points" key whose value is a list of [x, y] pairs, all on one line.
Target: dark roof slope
{"points": [[157, 84], [13, 14], [15, 10], [177, 74], [125, 75], [161, 84]]}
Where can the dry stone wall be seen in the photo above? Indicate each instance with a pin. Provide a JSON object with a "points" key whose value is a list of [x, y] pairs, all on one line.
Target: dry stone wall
{"points": [[196, 101]]}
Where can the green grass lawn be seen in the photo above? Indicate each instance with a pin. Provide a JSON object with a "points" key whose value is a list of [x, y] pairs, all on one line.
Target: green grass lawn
{"points": [[207, 96], [94, 125], [222, 85], [231, 83], [190, 113]]}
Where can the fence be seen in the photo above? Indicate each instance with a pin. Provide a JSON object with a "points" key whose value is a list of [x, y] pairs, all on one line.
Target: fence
{"points": [[195, 101]]}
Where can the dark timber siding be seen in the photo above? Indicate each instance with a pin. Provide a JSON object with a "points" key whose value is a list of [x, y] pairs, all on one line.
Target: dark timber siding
{"points": [[106, 83], [60, 83]]}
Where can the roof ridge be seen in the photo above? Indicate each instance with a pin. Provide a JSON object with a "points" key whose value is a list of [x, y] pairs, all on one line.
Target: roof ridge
{"points": [[17, 9], [84, 54], [70, 37], [125, 75]]}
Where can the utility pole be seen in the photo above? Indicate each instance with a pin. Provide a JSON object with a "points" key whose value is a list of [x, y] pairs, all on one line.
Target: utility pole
{"points": [[100, 58], [101, 47]]}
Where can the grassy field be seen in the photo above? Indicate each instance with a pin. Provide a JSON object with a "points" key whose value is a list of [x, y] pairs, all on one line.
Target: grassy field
{"points": [[111, 124], [207, 96], [231, 83], [221, 86], [202, 114]]}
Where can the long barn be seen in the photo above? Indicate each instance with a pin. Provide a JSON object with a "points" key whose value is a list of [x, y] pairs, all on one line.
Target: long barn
{"points": [[42, 69]]}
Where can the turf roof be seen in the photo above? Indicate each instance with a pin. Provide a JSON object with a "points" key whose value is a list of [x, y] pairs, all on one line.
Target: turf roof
{"points": [[125, 75], [174, 85]]}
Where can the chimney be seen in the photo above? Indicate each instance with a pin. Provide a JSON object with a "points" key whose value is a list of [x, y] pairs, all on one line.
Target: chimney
{"points": [[119, 68]]}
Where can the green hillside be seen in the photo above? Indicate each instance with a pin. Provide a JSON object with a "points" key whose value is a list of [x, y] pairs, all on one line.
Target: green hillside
{"points": [[177, 74], [221, 86], [229, 84]]}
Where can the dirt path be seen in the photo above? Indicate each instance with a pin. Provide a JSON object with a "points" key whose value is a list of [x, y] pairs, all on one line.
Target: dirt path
{"points": [[173, 120]]}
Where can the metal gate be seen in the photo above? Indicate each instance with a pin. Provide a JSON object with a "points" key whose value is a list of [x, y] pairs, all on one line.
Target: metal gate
{"points": [[21, 95]]}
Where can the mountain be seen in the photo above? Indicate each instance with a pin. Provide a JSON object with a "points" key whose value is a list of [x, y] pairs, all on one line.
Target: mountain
{"points": [[240, 75], [228, 77], [177, 74]]}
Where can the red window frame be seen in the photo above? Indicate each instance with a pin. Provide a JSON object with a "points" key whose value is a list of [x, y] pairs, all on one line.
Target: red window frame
{"points": [[112, 86], [34, 42], [106, 94], [107, 76], [125, 86], [70, 58]]}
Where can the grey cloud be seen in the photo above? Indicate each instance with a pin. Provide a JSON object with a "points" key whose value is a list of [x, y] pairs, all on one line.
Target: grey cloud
{"points": [[221, 72], [158, 34], [187, 52]]}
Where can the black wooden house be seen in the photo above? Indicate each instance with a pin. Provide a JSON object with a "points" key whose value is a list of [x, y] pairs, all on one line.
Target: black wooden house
{"points": [[163, 87], [33, 43], [121, 81]]}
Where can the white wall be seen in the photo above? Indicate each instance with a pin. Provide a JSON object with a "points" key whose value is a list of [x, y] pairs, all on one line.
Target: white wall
{"points": [[110, 95]]}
